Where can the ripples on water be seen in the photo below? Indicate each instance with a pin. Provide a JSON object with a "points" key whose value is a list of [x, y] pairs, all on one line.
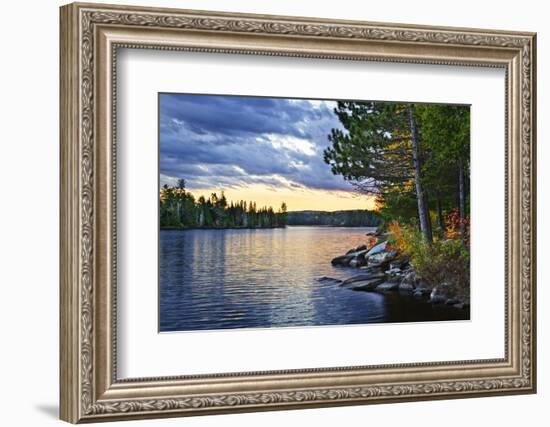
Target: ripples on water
{"points": [[250, 278]]}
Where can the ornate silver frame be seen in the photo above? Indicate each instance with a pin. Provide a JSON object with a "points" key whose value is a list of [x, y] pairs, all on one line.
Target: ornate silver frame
{"points": [[90, 36]]}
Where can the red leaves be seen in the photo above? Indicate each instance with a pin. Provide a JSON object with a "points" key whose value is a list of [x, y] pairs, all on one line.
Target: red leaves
{"points": [[457, 227]]}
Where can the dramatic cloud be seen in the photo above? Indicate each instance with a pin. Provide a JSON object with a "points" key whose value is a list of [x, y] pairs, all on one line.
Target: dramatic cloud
{"points": [[232, 141]]}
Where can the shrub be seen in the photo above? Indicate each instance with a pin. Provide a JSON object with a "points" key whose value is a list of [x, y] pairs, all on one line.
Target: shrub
{"points": [[444, 264], [396, 238], [456, 227]]}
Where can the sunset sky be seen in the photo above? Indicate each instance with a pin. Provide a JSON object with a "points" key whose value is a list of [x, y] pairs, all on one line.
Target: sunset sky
{"points": [[266, 150]]}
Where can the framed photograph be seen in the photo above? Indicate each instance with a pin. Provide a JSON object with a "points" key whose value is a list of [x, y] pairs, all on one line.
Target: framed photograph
{"points": [[266, 212]]}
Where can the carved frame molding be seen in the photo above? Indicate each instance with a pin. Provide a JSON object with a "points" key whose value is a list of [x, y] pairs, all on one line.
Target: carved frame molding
{"points": [[90, 37]]}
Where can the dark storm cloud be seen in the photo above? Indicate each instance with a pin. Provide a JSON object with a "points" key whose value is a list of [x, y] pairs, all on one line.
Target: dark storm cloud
{"points": [[229, 141]]}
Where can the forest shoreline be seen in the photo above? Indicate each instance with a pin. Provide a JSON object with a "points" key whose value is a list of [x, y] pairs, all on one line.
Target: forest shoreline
{"points": [[221, 228], [267, 227], [378, 267]]}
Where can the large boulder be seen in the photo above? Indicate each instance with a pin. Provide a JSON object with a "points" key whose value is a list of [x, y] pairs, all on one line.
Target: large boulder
{"points": [[380, 247], [361, 256], [381, 258], [353, 258]]}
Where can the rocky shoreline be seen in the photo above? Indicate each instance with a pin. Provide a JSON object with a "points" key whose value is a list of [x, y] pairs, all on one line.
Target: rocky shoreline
{"points": [[382, 269]]}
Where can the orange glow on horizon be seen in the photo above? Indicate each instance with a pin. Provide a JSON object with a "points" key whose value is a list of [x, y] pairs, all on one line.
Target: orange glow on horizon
{"points": [[296, 200]]}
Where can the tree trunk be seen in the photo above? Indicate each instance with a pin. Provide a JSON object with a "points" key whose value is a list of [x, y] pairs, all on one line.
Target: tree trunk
{"points": [[461, 191], [461, 196], [423, 214]]}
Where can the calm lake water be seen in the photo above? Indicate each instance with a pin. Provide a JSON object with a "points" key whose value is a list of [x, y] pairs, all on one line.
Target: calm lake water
{"points": [[239, 278]]}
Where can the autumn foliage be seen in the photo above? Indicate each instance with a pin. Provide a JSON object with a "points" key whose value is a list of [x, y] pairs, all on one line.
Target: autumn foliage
{"points": [[457, 228], [371, 241], [443, 263]]}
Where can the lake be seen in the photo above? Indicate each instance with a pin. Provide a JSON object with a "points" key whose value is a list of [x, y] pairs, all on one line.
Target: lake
{"points": [[258, 278]]}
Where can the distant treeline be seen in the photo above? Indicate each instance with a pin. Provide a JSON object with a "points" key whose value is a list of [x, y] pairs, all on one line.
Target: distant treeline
{"points": [[179, 209], [351, 218]]}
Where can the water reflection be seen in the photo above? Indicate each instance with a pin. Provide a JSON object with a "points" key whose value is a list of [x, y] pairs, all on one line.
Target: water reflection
{"points": [[218, 279]]}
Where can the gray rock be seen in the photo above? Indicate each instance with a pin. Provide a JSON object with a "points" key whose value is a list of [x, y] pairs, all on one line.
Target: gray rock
{"points": [[357, 262], [343, 260], [358, 253], [380, 258], [380, 247], [400, 262], [387, 286], [394, 271], [363, 277], [410, 279], [403, 286], [365, 285], [436, 297], [451, 301], [394, 279], [372, 269]]}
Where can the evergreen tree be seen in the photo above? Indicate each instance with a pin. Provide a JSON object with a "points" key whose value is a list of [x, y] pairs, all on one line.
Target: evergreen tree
{"points": [[379, 151], [179, 209], [413, 157]]}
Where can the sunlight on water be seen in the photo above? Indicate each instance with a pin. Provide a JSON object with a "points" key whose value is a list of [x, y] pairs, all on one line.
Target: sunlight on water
{"points": [[250, 278]]}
